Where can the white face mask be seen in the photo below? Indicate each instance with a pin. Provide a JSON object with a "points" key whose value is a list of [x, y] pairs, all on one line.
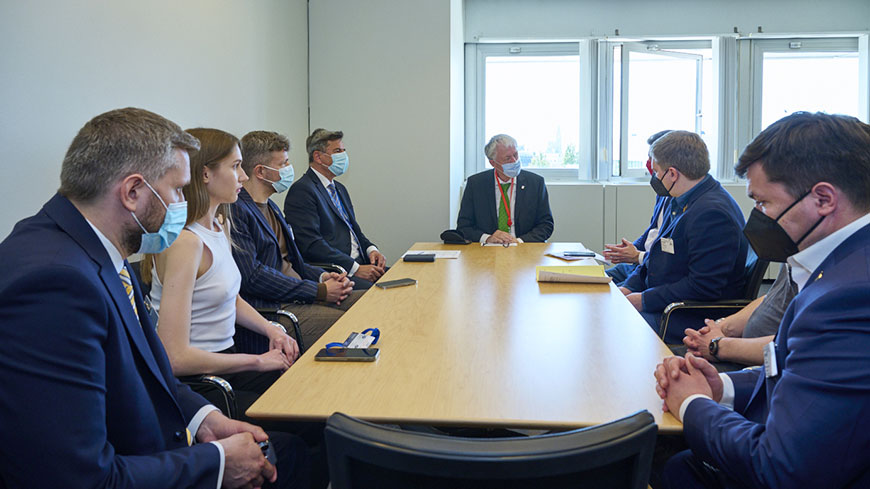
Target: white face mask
{"points": [[511, 169]]}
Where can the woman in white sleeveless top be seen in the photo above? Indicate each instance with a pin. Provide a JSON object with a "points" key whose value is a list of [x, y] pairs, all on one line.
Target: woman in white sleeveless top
{"points": [[196, 282]]}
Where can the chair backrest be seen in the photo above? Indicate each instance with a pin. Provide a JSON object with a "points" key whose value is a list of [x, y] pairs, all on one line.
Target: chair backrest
{"points": [[753, 275], [612, 455]]}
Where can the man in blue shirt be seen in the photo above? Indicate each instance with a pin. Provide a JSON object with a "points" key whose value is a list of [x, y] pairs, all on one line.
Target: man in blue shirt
{"points": [[700, 253]]}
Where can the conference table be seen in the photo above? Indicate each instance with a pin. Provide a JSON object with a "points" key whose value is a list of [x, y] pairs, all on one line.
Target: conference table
{"points": [[479, 342]]}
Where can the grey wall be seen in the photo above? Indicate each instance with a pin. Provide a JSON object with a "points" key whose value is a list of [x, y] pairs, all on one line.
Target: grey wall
{"points": [[231, 64], [381, 72]]}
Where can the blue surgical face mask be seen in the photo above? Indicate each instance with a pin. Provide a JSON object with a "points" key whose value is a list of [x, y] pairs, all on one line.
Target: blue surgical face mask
{"points": [[511, 169], [173, 223], [339, 163], [286, 178]]}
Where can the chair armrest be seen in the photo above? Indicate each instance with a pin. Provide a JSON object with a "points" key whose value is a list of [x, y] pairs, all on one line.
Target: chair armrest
{"points": [[223, 387], [329, 267], [707, 309], [290, 318]]}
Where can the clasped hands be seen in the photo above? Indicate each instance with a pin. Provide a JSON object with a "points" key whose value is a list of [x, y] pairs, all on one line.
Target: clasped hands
{"points": [[374, 271], [500, 237], [625, 252], [678, 378]]}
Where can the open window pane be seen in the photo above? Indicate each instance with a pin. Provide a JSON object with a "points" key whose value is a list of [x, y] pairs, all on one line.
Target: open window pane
{"points": [[808, 81], [535, 99], [664, 86]]}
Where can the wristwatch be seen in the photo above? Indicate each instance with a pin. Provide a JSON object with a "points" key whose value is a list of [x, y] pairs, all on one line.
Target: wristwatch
{"points": [[714, 347]]}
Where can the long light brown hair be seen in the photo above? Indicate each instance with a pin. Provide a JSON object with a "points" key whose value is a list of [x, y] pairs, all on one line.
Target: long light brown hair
{"points": [[215, 145]]}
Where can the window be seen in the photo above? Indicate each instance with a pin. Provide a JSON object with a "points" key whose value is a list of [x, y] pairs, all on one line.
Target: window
{"points": [[531, 92], [658, 86], [804, 74], [583, 110]]}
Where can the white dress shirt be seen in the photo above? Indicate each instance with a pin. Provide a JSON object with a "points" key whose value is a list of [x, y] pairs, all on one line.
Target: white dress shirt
{"points": [[354, 245], [803, 264], [512, 195]]}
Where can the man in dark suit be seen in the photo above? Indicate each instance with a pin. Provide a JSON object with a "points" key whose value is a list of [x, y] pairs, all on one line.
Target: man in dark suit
{"points": [[699, 253], [505, 205], [273, 271], [803, 420], [320, 211], [87, 396], [628, 255]]}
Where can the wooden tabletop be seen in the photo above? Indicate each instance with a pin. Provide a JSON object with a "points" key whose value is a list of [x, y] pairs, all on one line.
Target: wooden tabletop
{"points": [[478, 342]]}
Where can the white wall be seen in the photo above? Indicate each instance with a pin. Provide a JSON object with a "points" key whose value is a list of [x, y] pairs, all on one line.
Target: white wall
{"points": [[566, 19], [231, 64], [381, 72]]}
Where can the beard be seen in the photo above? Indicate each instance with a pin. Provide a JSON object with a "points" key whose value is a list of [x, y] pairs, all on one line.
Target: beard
{"points": [[151, 221]]}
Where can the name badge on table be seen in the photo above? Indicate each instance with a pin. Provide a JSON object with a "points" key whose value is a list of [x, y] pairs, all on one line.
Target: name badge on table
{"points": [[668, 245], [770, 368]]}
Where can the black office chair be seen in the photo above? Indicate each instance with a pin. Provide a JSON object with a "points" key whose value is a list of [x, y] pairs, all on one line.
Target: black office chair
{"points": [[691, 314], [612, 455]]}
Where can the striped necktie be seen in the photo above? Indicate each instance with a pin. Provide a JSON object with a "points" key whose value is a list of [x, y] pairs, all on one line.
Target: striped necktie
{"points": [[128, 287], [333, 194]]}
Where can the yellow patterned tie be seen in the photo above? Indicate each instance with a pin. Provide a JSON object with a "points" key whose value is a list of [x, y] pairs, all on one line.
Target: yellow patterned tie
{"points": [[128, 287]]}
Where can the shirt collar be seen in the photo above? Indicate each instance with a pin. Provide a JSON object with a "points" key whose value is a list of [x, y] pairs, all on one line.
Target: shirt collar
{"points": [[680, 202], [323, 180], [805, 262], [114, 254]]}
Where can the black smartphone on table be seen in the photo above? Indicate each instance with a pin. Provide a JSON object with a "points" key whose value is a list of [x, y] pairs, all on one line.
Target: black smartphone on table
{"points": [[396, 283], [348, 354]]}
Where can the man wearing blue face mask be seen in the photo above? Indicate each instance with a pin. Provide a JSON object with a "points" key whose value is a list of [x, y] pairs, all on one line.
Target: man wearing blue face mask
{"points": [[83, 375], [505, 205], [274, 274], [321, 213]]}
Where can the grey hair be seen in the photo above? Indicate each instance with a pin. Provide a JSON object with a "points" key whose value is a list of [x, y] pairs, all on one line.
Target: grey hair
{"points": [[683, 150], [503, 139], [116, 144], [318, 140]]}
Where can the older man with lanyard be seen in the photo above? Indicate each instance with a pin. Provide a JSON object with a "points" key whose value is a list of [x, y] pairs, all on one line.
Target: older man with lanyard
{"points": [[521, 210]]}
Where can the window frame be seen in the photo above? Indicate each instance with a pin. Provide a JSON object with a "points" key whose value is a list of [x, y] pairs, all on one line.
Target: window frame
{"points": [[475, 101]]}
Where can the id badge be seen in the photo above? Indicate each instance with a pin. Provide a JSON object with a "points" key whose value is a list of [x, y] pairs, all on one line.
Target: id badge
{"points": [[359, 340], [770, 368], [668, 245]]}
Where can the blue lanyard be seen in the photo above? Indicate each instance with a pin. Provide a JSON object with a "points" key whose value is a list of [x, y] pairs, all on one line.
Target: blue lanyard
{"points": [[375, 332]]}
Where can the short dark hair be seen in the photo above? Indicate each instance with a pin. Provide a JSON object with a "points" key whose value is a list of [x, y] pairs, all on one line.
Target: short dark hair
{"points": [[318, 140], [116, 144], [258, 146], [655, 137], [803, 149], [683, 150]]}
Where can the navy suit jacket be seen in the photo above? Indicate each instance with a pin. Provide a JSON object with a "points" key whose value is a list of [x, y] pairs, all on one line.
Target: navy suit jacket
{"points": [[87, 396], [260, 262], [478, 215], [321, 234], [810, 425], [709, 258]]}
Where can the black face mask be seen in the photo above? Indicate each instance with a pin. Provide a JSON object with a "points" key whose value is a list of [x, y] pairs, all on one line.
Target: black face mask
{"points": [[659, 187], [768, 239]]}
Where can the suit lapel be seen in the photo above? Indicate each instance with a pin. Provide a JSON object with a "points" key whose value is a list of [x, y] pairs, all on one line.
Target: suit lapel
{"points": [[265, 228], [325, 194], [493, 209], [74, 224]]}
